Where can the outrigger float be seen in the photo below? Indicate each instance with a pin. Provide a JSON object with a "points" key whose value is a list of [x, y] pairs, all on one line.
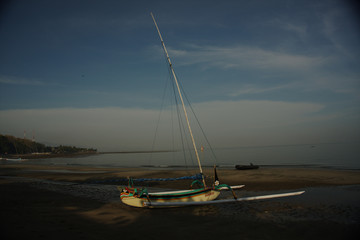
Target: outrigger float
{"points": [[140, 197]]}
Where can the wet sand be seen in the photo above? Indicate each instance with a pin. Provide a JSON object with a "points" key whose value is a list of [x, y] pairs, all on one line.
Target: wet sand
{"points": [[61, 202]]}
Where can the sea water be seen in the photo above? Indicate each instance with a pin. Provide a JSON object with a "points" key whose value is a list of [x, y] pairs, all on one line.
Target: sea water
{"points": [[333, 155]]}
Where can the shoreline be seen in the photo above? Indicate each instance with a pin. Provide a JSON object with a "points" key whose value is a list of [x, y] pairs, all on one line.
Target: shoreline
{"points": [[267, 178], [46, 155], [71, 155], [46, 159]]}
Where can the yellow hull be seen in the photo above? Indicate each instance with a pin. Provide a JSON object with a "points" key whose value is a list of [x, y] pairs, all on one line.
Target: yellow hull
{"points": [[199, 195]]}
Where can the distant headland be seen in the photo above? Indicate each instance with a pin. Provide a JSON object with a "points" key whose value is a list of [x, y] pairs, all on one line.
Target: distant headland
{"points": [[13, 147]]}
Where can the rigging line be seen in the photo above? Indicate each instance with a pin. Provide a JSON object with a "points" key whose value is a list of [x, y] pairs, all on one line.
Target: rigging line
{"points": [[198, 122], [180, 121], [177, 111], [179, 115], [171, 104], [187, 141], [181, 126], [181, 98], [158, 121]]}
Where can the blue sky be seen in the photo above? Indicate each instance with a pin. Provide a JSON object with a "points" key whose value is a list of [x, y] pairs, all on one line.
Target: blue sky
{"points": [[91, 73]]}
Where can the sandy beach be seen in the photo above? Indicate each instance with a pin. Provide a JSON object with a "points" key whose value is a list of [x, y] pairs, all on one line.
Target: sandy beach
{"points": [[78, 202]]}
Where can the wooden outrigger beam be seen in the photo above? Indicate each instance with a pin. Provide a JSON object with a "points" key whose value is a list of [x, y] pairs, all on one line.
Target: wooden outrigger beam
{"points": [[175, 204]]}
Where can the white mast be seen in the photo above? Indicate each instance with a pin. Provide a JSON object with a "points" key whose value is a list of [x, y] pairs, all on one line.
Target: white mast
{"points": [[181, 98]]}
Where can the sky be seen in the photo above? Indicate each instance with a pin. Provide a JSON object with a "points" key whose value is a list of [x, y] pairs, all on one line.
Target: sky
{"points": [[92, 73]]}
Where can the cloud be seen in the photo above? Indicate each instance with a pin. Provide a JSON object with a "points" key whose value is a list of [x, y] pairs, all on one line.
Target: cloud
{"points": [[94, 127], [262, 123], [301, 72], [254, 89], [344, 84], [227, 122], [299, 30], [239, 57], [331, 29], [21, 81], [260, 114]]}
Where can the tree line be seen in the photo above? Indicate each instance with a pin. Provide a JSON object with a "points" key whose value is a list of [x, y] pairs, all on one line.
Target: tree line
{"points": [[13, 145]]}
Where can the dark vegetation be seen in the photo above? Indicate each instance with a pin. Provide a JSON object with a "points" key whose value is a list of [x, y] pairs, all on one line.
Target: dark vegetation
{"points": [[10, 145]]}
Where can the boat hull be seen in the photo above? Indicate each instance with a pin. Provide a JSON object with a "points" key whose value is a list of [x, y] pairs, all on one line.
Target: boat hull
{"points": [[197, 195]]}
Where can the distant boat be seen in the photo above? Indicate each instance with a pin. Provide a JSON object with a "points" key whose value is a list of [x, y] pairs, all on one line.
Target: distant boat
{"points": [[247, 167]]}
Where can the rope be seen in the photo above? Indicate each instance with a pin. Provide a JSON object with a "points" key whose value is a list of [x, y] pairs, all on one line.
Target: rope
{"points": [[194, 177], [198, 122]]}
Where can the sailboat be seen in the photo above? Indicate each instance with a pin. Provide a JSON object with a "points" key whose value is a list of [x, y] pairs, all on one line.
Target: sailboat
{"points": [[140, 197]]}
